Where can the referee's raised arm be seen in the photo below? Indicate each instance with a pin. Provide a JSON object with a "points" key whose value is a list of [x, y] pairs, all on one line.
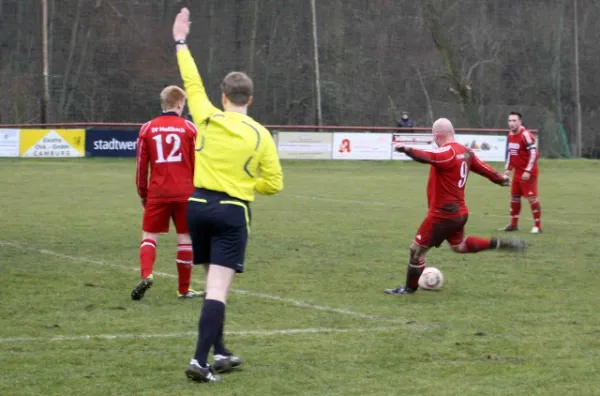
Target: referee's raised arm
{"points": [[198, 102], [235, 157]]}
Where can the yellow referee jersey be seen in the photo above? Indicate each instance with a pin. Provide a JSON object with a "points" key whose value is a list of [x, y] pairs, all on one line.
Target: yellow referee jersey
{"points": [[234, 154]]}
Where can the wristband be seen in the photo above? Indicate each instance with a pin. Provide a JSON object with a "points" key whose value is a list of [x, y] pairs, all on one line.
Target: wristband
{"points": [[180, 42]]}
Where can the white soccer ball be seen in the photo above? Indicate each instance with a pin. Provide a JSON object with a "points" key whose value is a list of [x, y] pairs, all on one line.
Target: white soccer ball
{"points": [[431, 279]]}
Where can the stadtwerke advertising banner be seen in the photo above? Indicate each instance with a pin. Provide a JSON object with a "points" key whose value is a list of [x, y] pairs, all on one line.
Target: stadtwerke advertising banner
{"points": [[111, 143]]}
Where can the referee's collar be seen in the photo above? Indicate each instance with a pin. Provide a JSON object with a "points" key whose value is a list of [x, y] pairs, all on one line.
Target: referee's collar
{"points": [[170, 113]]}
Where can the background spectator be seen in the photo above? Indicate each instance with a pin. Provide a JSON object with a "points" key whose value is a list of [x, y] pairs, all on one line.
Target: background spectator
{"points": [[405, 122]]}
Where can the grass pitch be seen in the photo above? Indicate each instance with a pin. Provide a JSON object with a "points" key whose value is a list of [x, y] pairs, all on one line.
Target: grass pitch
{"points": [[309, 316]]}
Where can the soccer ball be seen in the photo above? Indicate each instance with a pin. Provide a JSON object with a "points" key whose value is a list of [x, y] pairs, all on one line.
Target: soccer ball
{"points": [[431, 279]]}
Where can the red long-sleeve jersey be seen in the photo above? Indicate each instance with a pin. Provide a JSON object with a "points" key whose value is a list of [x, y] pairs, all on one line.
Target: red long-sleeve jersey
{"points": [[522, 153], [166, 146], [450, 167]]}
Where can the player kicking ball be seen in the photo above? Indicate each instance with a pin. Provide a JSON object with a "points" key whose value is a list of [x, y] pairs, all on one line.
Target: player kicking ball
{"points": [[523, 159], [166, 145], [448, 213]]}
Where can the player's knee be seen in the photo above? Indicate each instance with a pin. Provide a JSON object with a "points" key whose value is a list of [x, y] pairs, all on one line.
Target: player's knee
{"points": [[213, 293], [458, 248], [532, 200], [150, 235], [516, 198], [218, 281], [417, 254], [184, 239], [412, 255], [216, 288]]}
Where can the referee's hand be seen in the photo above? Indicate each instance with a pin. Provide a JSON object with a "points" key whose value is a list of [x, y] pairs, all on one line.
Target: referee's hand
{"points": [[181, 26]]}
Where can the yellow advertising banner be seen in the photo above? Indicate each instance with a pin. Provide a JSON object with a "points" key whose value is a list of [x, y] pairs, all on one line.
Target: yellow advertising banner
{"points": [[52, 143]]}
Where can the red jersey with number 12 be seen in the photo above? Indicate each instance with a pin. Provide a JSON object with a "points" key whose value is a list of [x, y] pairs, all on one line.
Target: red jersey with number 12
{"points": [[522, 153], [166, 145], [450, 167]]}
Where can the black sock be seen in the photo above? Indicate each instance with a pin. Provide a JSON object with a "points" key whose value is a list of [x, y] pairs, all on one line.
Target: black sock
{"points": [[219, 344], [211, 319]]}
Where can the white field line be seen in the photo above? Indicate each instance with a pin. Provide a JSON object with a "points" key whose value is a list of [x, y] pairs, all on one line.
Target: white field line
{"points": [[264, 296], [191, 334], [398, 205]]}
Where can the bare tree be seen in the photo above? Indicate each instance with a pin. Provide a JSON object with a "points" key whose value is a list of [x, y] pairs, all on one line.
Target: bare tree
{"points": [[470, 60]]}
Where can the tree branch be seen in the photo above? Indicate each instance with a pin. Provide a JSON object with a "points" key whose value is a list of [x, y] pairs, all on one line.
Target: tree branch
{"points": [[481, 62]]}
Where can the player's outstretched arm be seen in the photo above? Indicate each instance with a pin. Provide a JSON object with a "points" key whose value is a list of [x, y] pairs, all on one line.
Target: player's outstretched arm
{"points": [[198, 102], [485, 170], [424, 157], [271, 176], [438, 157]]}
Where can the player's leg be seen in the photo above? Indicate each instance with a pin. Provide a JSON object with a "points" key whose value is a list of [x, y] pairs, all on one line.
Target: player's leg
{"points": [[155, 221], [416, 266], [424, 239], [228, 245], [474, 244], [184, 261], [147, 258], [148, 253], [231, 249], [536, 209], [212, 317], [470, 244], [201, 232], [515, 206], [184, 258]]}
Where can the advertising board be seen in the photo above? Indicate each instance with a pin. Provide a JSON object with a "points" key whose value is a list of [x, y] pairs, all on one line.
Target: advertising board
{"points": [[362, 146]]}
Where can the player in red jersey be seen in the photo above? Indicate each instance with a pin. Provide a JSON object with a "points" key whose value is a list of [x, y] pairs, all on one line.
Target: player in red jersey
{"points": [[448, 213], [523, 158], [166, 145]]}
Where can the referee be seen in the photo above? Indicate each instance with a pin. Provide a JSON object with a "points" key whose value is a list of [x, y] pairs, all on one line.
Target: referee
{"points": [[235, 156]]}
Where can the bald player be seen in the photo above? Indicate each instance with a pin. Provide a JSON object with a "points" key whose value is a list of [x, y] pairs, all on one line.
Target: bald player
{"points": [[450, 164]]}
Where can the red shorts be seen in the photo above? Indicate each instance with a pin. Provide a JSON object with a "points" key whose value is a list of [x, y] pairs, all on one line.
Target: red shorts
{"points": [[524, 188], [157, 216], [435, 230]]}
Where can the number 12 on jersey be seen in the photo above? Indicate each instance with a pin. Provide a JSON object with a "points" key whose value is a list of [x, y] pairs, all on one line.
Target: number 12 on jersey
{"points": [[175, 154]]}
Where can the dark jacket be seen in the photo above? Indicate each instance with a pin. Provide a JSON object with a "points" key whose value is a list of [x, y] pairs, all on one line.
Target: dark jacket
{"points": [[402, 123]]}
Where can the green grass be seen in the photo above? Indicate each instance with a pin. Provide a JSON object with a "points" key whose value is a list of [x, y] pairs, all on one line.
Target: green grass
{"points": [[334, 239]]}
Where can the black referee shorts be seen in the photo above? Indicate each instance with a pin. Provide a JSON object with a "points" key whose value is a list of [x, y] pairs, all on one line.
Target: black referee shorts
{"points": [[219, 226]]}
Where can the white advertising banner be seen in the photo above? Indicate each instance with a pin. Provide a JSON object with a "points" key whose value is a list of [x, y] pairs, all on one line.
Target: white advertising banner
{"points": [[362, 146], [304, 145], [421, 141], [9, 142], [490, 148]]}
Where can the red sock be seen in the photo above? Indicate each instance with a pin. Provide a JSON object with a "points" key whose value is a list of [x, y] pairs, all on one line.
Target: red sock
{"points": [[473, 244], [184, 266], [536, 210], [147, 257], [413, 273], [515, 210]]}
